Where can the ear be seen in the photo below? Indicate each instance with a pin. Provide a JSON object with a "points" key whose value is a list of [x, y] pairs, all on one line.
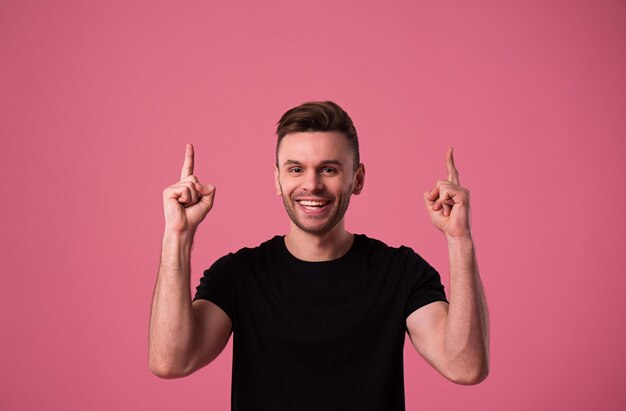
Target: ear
{"points": [[359, 179], [276, 182]]}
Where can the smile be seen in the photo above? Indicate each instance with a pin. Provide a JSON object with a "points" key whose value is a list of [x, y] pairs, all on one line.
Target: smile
{"points": [[312, 205]]}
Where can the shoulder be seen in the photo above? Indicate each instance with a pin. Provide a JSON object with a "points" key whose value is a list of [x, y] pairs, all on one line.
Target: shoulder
{"points": [[378, 247], [270, 245], [396, 259], [264, 250]]}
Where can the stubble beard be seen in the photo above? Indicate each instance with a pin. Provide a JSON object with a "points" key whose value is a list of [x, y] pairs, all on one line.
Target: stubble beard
{"points": [[335, 216]]}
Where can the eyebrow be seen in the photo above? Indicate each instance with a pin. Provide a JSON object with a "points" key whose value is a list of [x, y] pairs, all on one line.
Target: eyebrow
{"points": [[325, 162]]}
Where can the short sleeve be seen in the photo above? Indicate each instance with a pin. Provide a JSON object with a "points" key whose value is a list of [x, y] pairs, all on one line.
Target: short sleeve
{"points": [[423, 283], [216, 285]]}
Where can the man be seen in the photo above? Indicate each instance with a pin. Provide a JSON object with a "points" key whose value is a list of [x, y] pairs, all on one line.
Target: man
{"points": [[318, 316]]}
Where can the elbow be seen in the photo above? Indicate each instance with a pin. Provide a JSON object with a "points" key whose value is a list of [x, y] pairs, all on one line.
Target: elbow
{"points": [[470, 376], [166, 370], [167, 373]]}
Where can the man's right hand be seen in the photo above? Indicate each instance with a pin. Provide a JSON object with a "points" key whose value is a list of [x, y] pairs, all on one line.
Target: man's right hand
{"points": [[184, 336], [187, 202]]}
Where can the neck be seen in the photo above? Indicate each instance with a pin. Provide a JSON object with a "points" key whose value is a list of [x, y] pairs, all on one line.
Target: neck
{"points": [[319, 247]]}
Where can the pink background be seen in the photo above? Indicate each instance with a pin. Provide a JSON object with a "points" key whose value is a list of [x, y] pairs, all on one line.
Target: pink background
{"points": [[97, 101]]}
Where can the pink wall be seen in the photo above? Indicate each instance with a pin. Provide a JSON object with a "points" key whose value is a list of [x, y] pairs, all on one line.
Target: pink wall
{"points": [[97, 101]]}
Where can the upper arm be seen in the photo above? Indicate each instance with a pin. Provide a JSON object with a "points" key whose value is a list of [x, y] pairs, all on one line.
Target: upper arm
{"points": [[212, 332], [426, 328]]}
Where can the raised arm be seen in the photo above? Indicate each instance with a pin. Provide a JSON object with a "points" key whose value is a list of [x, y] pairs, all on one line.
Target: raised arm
{"points": [[183, 336], [454, 338]]}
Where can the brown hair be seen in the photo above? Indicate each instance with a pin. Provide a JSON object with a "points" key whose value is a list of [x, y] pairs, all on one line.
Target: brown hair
{"points": [[318, 116]]}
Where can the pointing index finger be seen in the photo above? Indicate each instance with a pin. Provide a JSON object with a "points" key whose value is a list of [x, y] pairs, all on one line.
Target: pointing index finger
{"points": [[453, 174], [188, 164]]}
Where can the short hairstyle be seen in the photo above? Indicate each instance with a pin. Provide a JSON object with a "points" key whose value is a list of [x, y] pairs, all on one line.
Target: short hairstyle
{"points": [[318, 116]]}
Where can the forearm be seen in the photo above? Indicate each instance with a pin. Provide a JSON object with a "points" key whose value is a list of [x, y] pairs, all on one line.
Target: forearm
{"points": [[172, 317], [466, 340]]}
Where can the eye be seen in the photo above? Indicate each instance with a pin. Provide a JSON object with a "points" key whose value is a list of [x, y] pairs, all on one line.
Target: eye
{"points": [[329, 170], [295, 170]]}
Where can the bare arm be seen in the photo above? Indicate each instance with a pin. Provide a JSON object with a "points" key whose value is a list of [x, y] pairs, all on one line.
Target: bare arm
{"points": [[455, 338], [183, 336]]}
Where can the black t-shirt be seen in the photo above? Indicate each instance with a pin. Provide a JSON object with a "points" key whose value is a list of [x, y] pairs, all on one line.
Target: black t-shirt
{"points": [[319, 335]]}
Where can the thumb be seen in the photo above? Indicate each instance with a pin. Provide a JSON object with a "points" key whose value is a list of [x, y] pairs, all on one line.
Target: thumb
{"points": [[208, 194], [205, 189]]}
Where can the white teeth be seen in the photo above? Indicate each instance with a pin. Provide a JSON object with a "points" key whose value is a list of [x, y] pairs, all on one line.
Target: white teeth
{"points": [[312, 203]]}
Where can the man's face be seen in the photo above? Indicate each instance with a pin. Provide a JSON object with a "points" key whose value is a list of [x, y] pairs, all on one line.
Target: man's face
{"points": [[316, 178]]}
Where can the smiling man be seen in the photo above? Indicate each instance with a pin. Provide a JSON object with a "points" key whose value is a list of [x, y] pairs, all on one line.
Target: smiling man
{"points": [[319, 315], [316, 173]]}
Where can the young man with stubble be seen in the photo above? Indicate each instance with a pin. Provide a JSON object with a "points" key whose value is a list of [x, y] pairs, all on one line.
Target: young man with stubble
{"points": [[318, 315]]}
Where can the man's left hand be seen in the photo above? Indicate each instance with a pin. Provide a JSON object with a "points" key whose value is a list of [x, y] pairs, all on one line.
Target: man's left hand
{"points": [[448, 203]]}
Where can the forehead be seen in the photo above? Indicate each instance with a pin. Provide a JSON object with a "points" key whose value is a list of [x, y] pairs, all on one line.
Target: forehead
{"points": [[314, 147]]}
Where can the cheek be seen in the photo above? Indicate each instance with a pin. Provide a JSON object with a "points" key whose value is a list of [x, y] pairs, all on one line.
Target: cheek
{"points": [[346, 185], [286, 185]]}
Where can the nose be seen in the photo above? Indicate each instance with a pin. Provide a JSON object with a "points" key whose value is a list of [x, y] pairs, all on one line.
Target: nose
{"points": [[312, 182]]}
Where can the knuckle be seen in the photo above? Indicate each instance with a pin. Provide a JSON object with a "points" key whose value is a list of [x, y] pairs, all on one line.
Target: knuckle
{"points": [[168, 191]]}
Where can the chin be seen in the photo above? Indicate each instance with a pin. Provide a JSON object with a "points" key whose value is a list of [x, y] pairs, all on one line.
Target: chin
{"points": [[316, 229]]}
